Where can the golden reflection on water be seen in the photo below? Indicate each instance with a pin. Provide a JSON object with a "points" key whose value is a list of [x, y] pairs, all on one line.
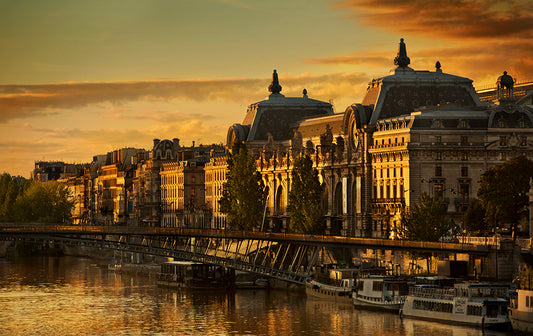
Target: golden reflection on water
{"points": [[73, 296]]}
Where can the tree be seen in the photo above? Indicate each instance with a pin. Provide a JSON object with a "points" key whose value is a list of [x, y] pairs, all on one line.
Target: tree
{"points": [[243, 197], [474, 218], [43, 203], [307, 215], [425, 221], [9, 191], [503, 191]]}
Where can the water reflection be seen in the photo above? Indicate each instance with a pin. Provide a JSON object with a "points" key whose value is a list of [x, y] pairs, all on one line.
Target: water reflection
{"points": [[74, 296]]}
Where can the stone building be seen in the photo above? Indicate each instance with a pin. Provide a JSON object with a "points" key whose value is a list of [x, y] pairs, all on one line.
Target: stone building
{"points": [[415, 132], [215, 176], [113, 187], [183, 194]]}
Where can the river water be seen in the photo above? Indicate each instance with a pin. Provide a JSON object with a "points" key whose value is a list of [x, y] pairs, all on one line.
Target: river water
{"points": [[74, 296]]}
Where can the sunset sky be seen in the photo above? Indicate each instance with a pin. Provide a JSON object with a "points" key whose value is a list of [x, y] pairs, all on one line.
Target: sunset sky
{"points": [[80, 78]]}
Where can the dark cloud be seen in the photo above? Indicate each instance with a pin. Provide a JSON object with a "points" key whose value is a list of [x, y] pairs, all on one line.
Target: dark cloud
{"points": [[472, 19]]}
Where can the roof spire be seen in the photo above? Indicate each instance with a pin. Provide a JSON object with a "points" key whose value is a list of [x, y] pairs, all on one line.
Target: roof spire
{"points": [[401, 59], [274, 86]]}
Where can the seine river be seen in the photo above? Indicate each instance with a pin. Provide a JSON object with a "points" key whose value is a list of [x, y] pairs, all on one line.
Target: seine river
{"points": [[74, 296]]}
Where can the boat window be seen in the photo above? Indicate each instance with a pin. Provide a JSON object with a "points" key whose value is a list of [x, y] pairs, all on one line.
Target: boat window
{"points": [[492, 310], [377, 286]]}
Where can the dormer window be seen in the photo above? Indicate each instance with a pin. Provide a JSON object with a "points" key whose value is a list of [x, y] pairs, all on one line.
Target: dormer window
{"points": [[463, 124], [437, 123]]}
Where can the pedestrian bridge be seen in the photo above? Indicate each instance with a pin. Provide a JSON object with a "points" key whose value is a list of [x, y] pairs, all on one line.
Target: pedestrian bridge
{"points": [[285, 256]]}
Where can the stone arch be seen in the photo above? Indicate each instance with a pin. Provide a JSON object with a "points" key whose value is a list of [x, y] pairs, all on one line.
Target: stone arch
{"points": [[325, 198], [352, 205], [237, 132], [279, 201], [337, 199]]}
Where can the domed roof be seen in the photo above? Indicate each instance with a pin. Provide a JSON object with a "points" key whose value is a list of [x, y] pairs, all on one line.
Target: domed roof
{"points": [[277, 113], [164, 150]]}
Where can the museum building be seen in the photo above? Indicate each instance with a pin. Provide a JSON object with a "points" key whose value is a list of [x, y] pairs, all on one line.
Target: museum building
{"points": [[415, 132]]}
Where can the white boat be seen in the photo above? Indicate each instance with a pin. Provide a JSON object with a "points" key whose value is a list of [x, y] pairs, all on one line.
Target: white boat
{"points": [[381, 292], [474, 304], [521, 311], [339, 293]]}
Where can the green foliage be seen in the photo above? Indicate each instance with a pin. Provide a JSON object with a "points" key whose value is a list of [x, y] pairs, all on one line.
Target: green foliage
{"points": [[10, 189], [29, 201], [307, 215], [243, 197], [425, 221], [474, 218], [503, 191]]}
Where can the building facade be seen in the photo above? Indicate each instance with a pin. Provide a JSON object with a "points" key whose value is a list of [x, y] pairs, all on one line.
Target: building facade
{"points": [[414, 132]]}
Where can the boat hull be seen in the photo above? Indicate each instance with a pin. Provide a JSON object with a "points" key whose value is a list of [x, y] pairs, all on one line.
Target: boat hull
{"points": [[385, 306], [500, 322], [321, 291]]}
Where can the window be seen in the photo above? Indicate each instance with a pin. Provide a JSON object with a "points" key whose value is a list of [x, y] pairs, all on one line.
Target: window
{"points": [[503, 140], [401, 171], [464, 156], [464, 124], [502, 156], [437, 124], [464, 140], [464, 192], [464, 171], [438, 171], [438, 190], [523, 141], [438, 139], [501, 123], [438, 156]]}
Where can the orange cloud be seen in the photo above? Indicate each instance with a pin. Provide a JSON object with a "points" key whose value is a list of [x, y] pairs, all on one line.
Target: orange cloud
{"points": [[24, 101], [479, 60], [472, 19]]}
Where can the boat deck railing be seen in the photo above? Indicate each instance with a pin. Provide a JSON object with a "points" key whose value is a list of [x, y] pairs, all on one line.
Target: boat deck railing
{"points": [[432, 293]]}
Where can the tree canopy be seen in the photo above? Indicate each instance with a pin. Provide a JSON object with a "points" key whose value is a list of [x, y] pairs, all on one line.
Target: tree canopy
{"points": [[306, 213], [243, 197], [24, 200], [425, 221], [503, 191], [474, 218]]}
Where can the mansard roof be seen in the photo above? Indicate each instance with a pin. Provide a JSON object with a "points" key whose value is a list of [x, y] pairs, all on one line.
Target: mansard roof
{"points": [[274, 115], [404, 90]]}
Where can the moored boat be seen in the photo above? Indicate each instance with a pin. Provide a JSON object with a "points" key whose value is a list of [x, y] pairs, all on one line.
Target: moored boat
{"points": [[521, 311], [380, 292], [195, 275], [339, 293], [474, 304]]}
